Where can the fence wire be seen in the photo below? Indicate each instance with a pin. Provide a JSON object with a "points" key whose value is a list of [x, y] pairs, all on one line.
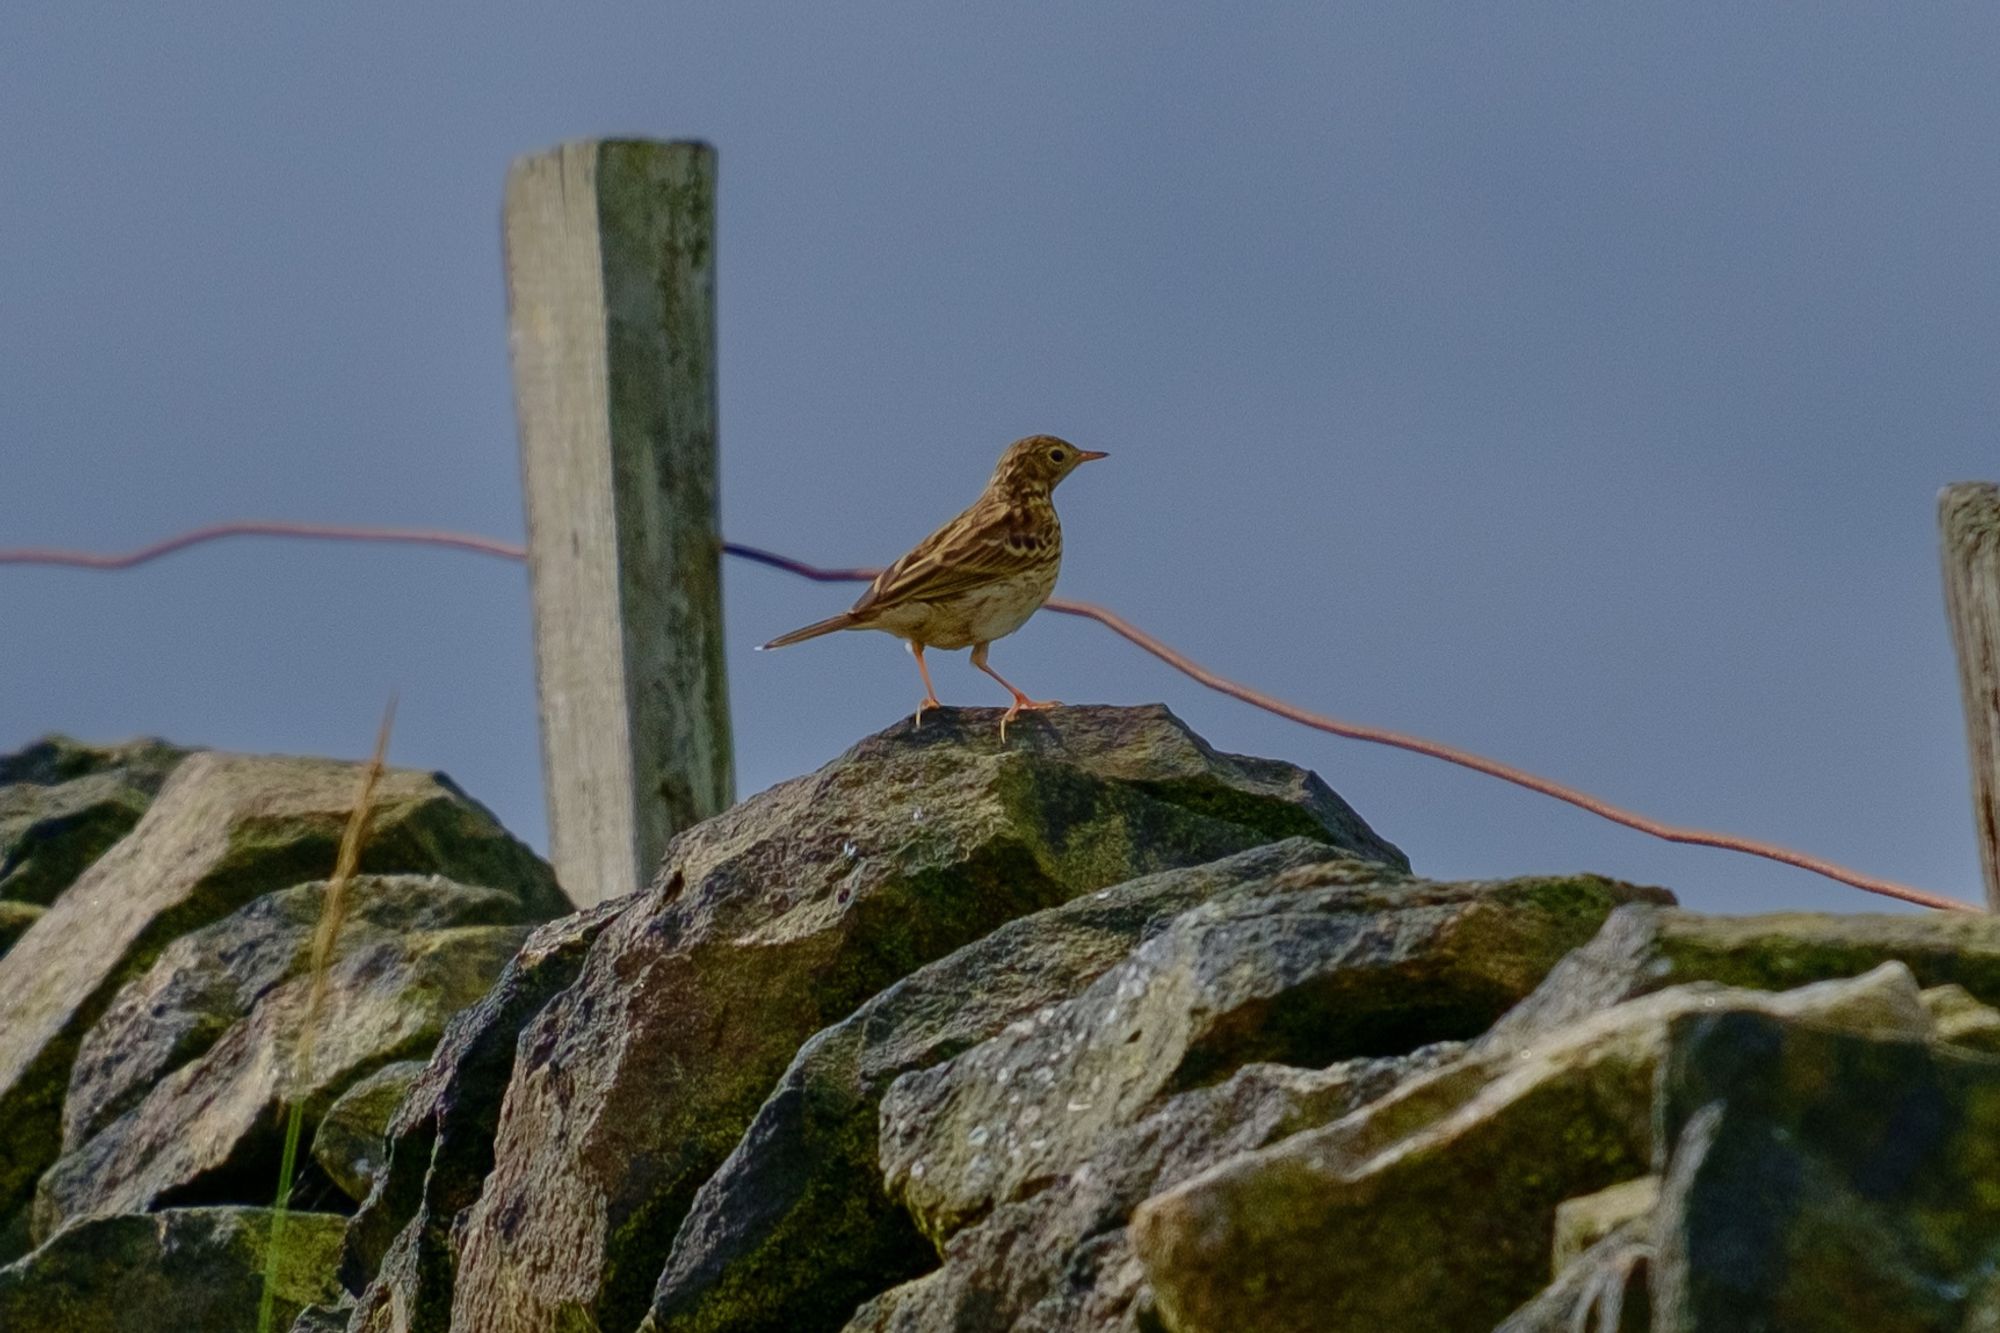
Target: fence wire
{"points": [[1104, 616]]}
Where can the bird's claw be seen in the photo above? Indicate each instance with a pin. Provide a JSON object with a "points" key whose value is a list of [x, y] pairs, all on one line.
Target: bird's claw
{"points": [[1024, 705], [930, 701]]}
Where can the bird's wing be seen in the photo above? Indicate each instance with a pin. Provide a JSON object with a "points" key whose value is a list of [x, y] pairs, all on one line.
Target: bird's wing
{"points": [[988, 543]]}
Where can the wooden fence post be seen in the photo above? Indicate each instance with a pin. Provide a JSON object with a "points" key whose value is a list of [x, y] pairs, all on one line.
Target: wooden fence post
{"points": [[610, 254], [1969, 524]]}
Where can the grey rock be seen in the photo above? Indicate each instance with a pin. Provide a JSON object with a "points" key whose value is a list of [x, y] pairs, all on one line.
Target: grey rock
{"points": [[1822, 1179], [203, 1124], [1059, 1260], [63, 803], [177, 1271], [351, 1144], [1644, 949], [793, 1231], [223, 830], [1335, 964], [210, 979], [1024, 1157], [322, 1319], [400, 1253], [1339, 1228], [782, 916]]}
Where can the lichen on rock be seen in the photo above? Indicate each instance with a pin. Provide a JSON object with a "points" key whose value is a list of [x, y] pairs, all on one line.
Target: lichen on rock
{"points": [[1342, 1227], [400, 1255], [224, 830], [175, 1271], [784, 915], [15, 918], [1099, 1031], [63, 803], [795, 1228], [351, 1143]]}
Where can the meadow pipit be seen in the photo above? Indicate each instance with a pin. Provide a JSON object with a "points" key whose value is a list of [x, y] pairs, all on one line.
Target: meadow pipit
{"points": [[979, 577]]}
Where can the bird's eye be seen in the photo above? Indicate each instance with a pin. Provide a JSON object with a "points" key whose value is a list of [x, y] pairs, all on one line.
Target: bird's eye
{"points": [[1055, 455]]}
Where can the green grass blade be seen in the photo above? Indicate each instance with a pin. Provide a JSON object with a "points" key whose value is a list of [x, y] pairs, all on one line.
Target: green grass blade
{"points": [[274, 1251]]}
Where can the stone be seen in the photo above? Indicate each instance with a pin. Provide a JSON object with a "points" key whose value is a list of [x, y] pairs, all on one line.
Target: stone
{"points": [[793, 1231], [1823, 1179], [323, 1319], [223, 830], [1009, 1166], [1582, 1222], [177, 1271], [1334, 964], [1963, 1020], [15, 918], [1645, 948], [782, 916], [1059, 1259], [400, 1254], [210, 979], [199, 1055], [351, 1144], [1340, 1228], [63, 803]]}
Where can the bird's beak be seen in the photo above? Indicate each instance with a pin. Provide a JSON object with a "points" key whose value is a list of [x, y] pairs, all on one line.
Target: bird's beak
{"points": [[1090, 455]]}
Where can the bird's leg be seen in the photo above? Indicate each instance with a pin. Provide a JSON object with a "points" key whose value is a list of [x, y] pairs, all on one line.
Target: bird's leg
{"points": [[930, 690], [1021, 701]]}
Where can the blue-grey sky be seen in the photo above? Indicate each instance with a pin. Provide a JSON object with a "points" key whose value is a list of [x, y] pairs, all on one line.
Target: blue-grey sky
{"points": [[1568, 382]]}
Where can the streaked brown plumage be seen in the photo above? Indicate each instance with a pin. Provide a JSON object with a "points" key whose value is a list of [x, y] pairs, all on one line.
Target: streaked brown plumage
{"points": [[979, 577]]}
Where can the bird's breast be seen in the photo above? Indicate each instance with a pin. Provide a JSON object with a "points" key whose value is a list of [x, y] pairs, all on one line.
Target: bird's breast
{"points": [[989, 612]]}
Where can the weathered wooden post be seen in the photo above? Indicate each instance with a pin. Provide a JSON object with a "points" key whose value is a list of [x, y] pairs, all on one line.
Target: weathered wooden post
{"points": [[610, 252], [1969, 525]]}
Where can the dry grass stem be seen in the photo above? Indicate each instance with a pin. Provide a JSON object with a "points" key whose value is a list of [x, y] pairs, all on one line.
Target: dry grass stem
{"points": [[332, 912]]}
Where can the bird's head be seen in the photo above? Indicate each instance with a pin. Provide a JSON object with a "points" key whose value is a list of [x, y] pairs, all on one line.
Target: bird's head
{"points": [[1039, 462]]}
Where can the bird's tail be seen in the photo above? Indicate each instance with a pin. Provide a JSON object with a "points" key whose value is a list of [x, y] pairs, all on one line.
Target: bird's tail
{"points": [[845, 620]]}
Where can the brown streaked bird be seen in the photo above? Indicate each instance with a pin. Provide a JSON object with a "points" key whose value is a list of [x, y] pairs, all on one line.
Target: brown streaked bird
{"points": [[979, 577]]}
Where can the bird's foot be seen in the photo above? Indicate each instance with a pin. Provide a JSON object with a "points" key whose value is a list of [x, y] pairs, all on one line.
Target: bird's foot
{"points": [[930, 701], [1023, 704]]}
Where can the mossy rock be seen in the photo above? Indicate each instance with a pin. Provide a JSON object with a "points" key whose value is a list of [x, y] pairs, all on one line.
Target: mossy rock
{"points": [[1830, 1180], [1963, 1019], [177, 1271], [1059, 1257], [223, 830], [794, 1230], [1339, 1229], [211, 979], [1587, 1219], [180, 1086], [1644, 949], [63, 803], [1332, 963], [400, 1255], [351, 1144], [783, 915], [15, 919]]}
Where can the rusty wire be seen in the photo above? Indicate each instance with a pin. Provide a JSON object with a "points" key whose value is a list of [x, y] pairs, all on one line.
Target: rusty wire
{"points": [[1111, 620]]}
